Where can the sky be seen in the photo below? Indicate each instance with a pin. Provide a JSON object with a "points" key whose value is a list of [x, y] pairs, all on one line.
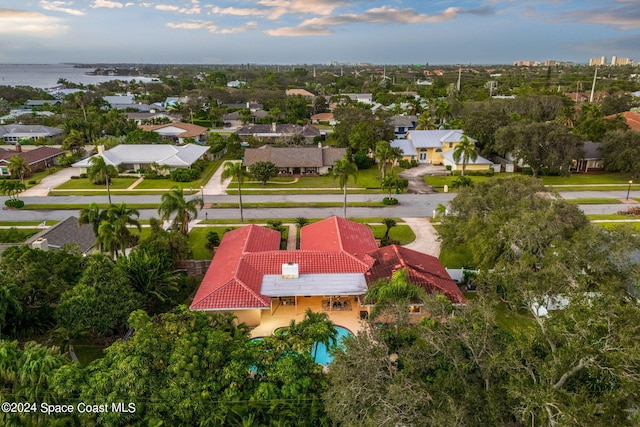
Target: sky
{"points": [[317, 31]]}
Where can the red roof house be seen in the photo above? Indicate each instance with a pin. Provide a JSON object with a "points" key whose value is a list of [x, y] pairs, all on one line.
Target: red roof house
{"points": [[337, 258]]}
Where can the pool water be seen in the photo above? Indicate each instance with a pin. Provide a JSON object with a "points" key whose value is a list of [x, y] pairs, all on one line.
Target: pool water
{"points": [[322, 353]]}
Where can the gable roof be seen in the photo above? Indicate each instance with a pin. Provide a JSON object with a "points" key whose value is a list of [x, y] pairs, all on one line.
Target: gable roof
{"points": [[422, 270], [180, 129], [284, 157], [67, 232], [337, 257], [32, 156], [28, 131], [162, 154], [435, 138], [405, 145]]}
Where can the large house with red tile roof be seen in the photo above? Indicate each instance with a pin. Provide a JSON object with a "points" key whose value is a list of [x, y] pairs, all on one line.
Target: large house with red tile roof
{"points": [[337, 258]]}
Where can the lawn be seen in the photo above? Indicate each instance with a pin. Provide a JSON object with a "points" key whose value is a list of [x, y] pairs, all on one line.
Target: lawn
{"points": [[594, 201], [86, 184], [165, 183], [588, 179], [367, 179], [198, 239], [402, 233], [438, 181]]}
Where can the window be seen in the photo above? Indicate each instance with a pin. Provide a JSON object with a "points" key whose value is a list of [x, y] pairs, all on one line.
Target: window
{"points": [[439, 150], [451, 145]]}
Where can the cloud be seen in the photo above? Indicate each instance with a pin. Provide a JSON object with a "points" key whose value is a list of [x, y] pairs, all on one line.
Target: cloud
{"points": [[107, 4], [379, 15], [193, 10], [278, 8], [235, 11], [60, 6], [623, 14], [212, 27], [29, 23]]}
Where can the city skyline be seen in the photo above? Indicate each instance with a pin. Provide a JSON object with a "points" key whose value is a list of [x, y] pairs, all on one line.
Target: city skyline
{"points": [[320, 31]]}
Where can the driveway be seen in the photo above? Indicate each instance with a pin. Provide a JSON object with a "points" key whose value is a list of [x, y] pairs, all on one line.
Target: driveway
{"points": [[416, 180], [426, 236], [49, 182], [215, 187]]}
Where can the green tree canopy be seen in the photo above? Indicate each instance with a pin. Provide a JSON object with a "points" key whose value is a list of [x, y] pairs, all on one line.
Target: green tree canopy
{"points": [[263, 171]]}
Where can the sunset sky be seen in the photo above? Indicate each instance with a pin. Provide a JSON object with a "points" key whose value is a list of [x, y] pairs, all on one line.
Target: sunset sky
{"points": [[317, 31]]}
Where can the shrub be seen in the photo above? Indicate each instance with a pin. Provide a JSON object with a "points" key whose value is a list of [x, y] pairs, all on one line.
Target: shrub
{"points": [[184, 175], [386, 241], [32, 182], [13, 235], [83, 175], [389, 201], [14, 203], [75, 177], [362, 160]]}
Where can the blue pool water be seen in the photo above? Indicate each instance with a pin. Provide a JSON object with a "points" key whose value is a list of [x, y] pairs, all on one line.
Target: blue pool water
{"points": [[322, 353]]}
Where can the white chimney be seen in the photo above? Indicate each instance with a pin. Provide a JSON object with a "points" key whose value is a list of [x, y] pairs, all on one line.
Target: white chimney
{"points": [[290, 271], [100, 149], [41, 244], [273, 127]]}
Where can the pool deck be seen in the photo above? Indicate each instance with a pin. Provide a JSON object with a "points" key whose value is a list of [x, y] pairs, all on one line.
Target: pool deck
{"points": [[283, 314]]}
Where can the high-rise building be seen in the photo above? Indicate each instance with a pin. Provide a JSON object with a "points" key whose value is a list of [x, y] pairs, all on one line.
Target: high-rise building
{"points": [[598, 61], [620, 61]]}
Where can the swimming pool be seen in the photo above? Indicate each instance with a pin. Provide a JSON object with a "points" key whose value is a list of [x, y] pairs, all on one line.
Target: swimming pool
{"points": [[322, 353]]}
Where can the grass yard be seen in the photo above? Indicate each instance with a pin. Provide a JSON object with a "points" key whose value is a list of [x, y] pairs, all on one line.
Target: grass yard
{"points": [[438, 181], [26, 223], [588, 179], [198, 238], [86, 184], [596, 201], [401, 233], [611, 225], [166, 183]]}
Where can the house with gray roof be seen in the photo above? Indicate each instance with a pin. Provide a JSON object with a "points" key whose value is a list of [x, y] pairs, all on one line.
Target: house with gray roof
{"points": [[315, 160], [67, 232], [141, 156], [279, 132], [17, 132]]}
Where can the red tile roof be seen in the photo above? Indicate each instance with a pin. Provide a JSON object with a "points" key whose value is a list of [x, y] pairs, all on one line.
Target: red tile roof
{"points": [[228, 282], [331, 246], [337, 234], [423, 270]]}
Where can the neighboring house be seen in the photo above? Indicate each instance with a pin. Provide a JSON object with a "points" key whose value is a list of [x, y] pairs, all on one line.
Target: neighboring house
{"points": [[234, 119], [278, 132], [323, 117], [365, 98], [120, 102], [15, 133], [592, 159], [430, 146], [38, 159], [141, 156], [178, 131], [338, 259], [35, 103], [236, 83], [15, 114], [253, 106], [403, 124], [296, 160], [67, 232], [632, 119], [302, 92], [480, 163], [174, 101], [149, 117]]}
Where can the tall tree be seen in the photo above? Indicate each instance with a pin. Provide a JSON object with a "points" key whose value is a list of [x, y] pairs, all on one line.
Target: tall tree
{"points": [[465, 150], [122, 219], [236, 171], [621, 150], [174, 202], [342, 171], [393, 297], [92, 215], [263, 171], [18, 167], [101, 173], [386, 154]]}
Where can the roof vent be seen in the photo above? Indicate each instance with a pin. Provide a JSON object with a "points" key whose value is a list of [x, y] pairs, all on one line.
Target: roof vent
{"points": [[290, 271]]}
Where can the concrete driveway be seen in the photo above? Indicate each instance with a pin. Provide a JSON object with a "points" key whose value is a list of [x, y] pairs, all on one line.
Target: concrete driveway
{"points": [[426, 236], [416, 180], [49, 182]]}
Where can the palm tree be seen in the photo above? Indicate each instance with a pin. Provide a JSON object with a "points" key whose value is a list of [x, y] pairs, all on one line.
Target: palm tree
{"points": [[174, 202], [385, 154], [465, 150], [18, 167], [108, 239], [12, 188], [393, 296], [92, 215], [100, 173], [236, 171], [121, 218], [301, 221], [389, 223], [318, 328], [343, 170]]}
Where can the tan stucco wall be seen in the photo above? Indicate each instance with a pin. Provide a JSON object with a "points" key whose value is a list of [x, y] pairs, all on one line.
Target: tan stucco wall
{"points": [[250, 317]]}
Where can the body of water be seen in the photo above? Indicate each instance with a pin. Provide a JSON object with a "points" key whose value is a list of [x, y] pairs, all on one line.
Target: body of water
{"points": [[45, 76]]}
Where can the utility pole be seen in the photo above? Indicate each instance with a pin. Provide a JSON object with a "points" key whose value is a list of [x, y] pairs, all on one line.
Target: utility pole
{"points": [[593, 86]]}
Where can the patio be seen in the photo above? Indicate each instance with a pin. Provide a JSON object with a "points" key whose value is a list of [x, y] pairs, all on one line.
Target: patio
{"points": [[282, 314]]}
